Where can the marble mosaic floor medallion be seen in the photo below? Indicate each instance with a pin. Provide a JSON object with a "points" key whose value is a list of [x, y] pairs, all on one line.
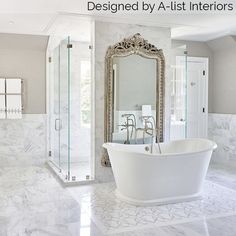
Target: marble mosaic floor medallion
{"points": [[112, 215]]}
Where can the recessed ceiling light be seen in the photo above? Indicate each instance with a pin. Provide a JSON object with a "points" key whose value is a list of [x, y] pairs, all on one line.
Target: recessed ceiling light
{"points": [[11, 22]]}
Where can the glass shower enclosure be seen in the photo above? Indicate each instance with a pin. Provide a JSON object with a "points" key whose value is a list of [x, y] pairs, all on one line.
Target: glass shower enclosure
{"points": [[70, 110], [178, 125]]}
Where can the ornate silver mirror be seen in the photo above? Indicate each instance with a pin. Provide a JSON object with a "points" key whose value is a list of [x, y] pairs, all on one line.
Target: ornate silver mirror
{"points": [[134, 93]]}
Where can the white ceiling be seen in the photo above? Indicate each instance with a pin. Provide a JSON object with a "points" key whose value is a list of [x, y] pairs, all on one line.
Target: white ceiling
{"points": [[44, 17]]}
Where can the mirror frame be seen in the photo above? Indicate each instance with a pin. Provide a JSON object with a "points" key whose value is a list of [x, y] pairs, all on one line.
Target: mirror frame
{"points": [[129, 46]]}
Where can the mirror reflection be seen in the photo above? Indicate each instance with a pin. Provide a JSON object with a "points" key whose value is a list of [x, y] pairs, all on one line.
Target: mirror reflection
{"points": [[134, 99]]}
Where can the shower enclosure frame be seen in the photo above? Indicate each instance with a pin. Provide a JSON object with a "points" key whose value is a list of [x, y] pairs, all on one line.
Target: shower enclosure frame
{"points": [[65, 176]]}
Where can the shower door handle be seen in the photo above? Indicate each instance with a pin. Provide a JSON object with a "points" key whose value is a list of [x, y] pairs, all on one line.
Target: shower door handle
{"points": [[57, 124]]}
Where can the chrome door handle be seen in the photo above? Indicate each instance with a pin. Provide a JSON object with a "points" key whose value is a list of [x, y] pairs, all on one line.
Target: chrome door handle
{"points": [[57, 124]]}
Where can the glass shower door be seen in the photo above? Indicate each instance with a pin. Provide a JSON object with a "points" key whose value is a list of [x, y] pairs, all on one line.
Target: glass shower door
{"points": [[55, 107], [71, 90], [81, 111], [178, 127], [60, 107], [63, 125]]}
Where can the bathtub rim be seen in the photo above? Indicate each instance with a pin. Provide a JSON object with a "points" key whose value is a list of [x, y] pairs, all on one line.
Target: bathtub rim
{"points": [[116, 146]]}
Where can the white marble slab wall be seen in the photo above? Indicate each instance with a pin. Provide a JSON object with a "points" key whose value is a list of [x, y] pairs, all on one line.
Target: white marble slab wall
{"points": [[222, 129], [23, 141], [107, 34]]}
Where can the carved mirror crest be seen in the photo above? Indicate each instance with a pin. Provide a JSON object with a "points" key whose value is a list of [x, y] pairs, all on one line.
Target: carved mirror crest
{"points": [[133, 46]]}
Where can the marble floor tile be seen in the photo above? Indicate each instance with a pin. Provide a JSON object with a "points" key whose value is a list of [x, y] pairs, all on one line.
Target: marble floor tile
{"points": [[113, 215], [223, 175], [223, 226], [34, 203]]}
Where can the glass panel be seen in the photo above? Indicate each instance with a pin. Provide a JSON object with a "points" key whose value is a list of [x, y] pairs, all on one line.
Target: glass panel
{"points": [[178, 128], [54, 106], [70, 94], [85, 96], [80, 110], [64, 107], [134, 98]]}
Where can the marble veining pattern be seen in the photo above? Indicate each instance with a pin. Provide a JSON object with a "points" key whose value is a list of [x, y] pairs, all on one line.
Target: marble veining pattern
{"points": [[23, 141], [222, 129], [34, 203], [113, 215]]}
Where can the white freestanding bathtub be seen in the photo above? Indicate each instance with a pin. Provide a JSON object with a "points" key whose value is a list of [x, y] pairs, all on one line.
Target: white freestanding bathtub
{"points": [[175, 175]]}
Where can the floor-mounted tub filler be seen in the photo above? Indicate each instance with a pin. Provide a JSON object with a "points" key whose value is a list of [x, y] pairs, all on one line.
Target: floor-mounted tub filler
{"points": [[175, 175]]}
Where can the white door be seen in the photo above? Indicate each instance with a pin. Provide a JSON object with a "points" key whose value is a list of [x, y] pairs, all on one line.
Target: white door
{"points": [[197, 97], [189, 98]]}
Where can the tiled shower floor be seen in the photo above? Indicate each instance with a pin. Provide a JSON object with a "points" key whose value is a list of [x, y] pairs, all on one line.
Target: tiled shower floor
{"points": [[33, 202]]}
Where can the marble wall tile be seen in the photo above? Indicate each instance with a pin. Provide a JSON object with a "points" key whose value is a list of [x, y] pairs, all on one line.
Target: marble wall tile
{"points": [[23, 141], [222, 129], [107, 34]]}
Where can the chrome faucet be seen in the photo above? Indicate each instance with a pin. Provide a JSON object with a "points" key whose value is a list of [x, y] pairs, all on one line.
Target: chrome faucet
{"points": [[151, 130], [148, 128], [130, 122]]}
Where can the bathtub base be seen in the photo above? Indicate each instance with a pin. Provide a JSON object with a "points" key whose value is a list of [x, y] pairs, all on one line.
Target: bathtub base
{"points": [[159, 201]]}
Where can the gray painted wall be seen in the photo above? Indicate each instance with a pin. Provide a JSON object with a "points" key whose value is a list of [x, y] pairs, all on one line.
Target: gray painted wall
{"points": [[201, 49], [24, 56], [222, 70], [224, 74]]}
